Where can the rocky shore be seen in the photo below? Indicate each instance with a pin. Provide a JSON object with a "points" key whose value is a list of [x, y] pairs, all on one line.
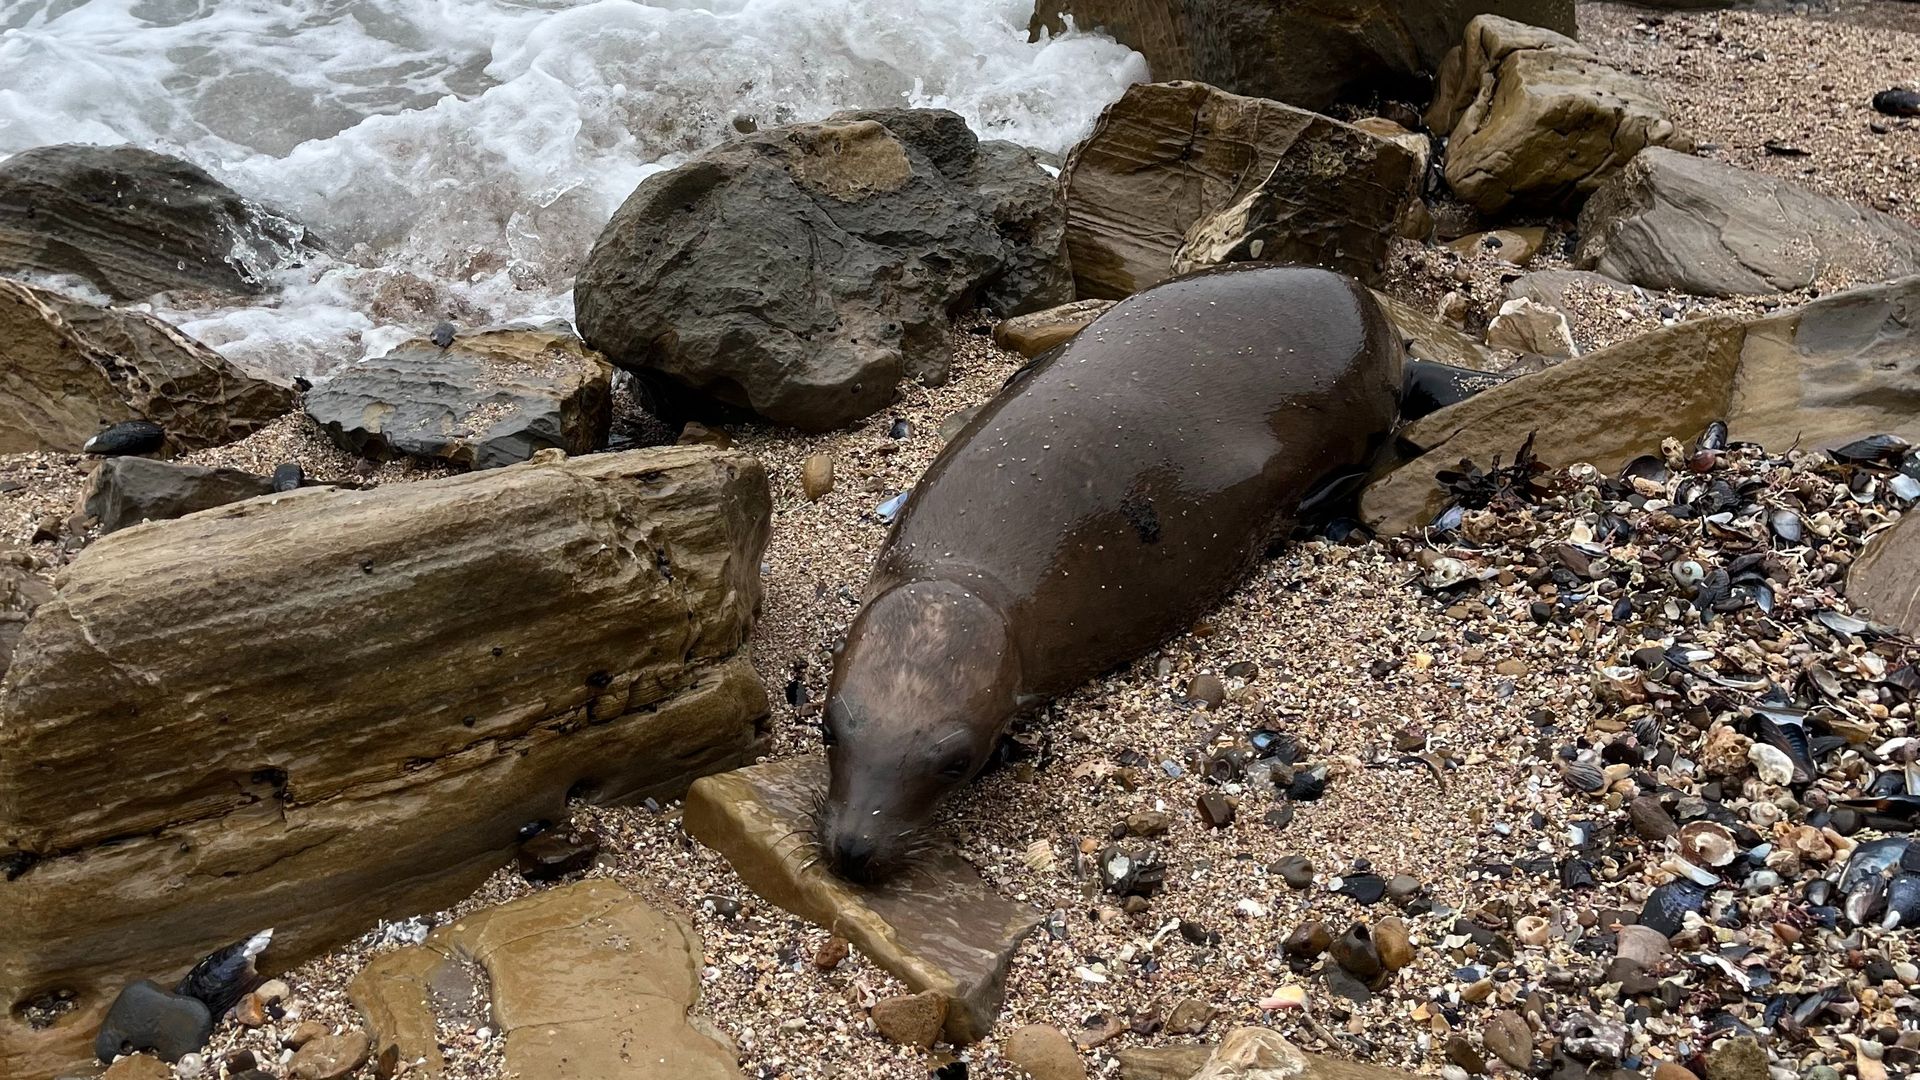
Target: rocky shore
{"points": [[1596, 766]]}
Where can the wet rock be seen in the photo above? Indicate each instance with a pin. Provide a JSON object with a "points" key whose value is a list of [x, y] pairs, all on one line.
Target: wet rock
{"points": [[909, 216], [566, 661], [127, 437], [816, 476], [74, 368], [1433, 339], [490, 399], [1190, 1016], [911, 1019], [1149, 823], [1674, 221], [129, 490], [1517, 246], [578, 975], [1523, 326], [148, 1016], [330, 1057], [1186, 168], [1032, 334], [134, 223], [1306, 55], [556, 853], [1045, 1053], [1737, 1059], [1508, 1038], [938, 927], [1537, 121]]}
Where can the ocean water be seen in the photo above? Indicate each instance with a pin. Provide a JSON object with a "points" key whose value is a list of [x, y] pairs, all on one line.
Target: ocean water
{"points": [[458, 157]]}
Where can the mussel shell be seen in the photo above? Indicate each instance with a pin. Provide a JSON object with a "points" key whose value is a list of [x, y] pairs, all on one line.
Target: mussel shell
{"points": [[1888, 813], [1898, 101], [1872, 859], [1667, 906], [1863, 903], [1903, 901], [1787, 526], [1890, 782], [1871, 449], [1904, 487], [1845, 625], [1450, 519], [1820, 892], [1647, 467], [1714, 438], [1786, 731]]}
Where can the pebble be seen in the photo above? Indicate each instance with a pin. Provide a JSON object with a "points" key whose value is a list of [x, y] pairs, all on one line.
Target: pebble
{"points": [[911, 1019], [1356, 952], [816, 476], [1667, 1070], [831, 952], [1308, 940], [330, 1057], [308, 1031], [556, 853], [1737, 1059], [1295, 870], [1461, 1051], [1509, 1038], [1045, 1053], [1208, 690], [138, 1067], [148, 1016], [1643, 945], [1394, 943], [1190, 1016], [1149, 823]]}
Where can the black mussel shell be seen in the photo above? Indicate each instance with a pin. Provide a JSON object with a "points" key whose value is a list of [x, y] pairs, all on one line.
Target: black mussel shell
{"points": [[1308, 784], [1667, 906], [1897, 102], [1576, 874], [1872, 449], [1820, 892], [1863, 903], [1366, 888], [1647, 467], [1786, 731], [1903, 901], [126, 437], [1888, 813], [1714, 438], [1890, 782], [1715, 589], [1872, 859]]}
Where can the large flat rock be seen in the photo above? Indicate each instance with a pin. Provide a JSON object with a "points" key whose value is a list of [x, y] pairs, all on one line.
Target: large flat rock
{"points": [[1830, 370], [586, 981], [314, 710], [1885, 579], [938, 927]]}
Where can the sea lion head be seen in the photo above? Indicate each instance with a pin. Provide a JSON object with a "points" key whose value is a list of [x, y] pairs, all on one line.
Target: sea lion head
{"points": [[918, 700]]}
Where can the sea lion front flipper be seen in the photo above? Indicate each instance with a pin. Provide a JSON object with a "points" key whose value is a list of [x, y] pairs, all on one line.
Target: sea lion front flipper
{"points": [[1430, 387]]}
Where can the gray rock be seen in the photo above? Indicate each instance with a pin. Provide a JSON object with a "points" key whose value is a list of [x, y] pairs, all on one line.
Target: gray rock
{"points": [[134, 223], [1673, 221], [148, 1016], [126, 491], [800, 272], [489, 399]]}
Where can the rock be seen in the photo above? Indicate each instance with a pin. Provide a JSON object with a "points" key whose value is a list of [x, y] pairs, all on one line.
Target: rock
{"points": [[1816, 373], [1032, 334], [816, 476], [556, 853], [138, 1067], [1650, 819], [1395, 944], [308, 1031], [148, 1016], [1149, 823], [1523, 326], [133, 223], [1508, 1038], [1516, 245], [1162, 1062], [489, 399], [1673, 221], [1460, 1051], [1884, 580], [125, 491], [273, 991], [1566, 290], [74, 368], [1537, 122], [1184, 174], [1251, 1053], [1667, 1070], [251, 1012], [904, 217], [1643, 945], [1295, 870], [911, 1019], [1737, 1059], [330, 1057], [1310, 55], [1431, 338], [938, 927], [312, 738], [20, 593], [1190, 1016], [586, 981], [1045, 1053]]}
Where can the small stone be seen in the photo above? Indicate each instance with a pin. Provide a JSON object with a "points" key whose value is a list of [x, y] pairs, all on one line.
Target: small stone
{"points": [[1667, 1070], [1462, 1052], [830, 953], [1308, 940], [1403, 890], [138, 1067], [1395, 944], [1651, 822], [1208, 690], [556, 853], [1477, 991], [330, 1057], [288, 476], [1216, 810], [911, 1019], [148, 1016], [1643, 945], [696, 433], [308, 1031], [1190, 1016], [816, 476], [250, 1012], [1509, 1038], [1737, 1059], [274, 991], [1513, 666], [1771, 763], [1149, 823], [1045, 1053], [1295, 870]]}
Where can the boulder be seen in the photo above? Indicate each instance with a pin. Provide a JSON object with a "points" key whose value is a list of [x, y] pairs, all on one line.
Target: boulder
{"points": [[1186, 169], [1043, 1052], [586, 982], [1536, 122], [802, 271], [125, 491], [1162, 1062], [133, 223], [488, 399], [1828, 370], [1035, 333], [1673, 221], [938, 927], [69, 368], [1524, 326], [1429, 337], [21, 591], [1310, 55], [352, 703]]}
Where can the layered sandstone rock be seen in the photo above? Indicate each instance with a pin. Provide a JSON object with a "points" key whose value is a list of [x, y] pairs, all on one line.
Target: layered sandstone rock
{"points": [[585, 982], [846, 249], [1826, 371], [1178, 176], [124, 491], [1035, 333], [1673, 221], [1537, 122], [328, 707], [1306, 54], [133, 222], [488, 399], [69, 368]]}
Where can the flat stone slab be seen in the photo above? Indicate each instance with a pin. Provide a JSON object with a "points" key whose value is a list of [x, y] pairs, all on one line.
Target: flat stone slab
{"points": [[586, 981], [939, 927], [1247, 1053]]}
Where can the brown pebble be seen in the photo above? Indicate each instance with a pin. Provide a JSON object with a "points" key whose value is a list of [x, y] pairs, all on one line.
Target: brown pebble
{"points": [[1308, 940], [1216, 810], [831, 952], [911, 1019], [1044, 1052], [330, 1057], [308, 1031], [816, 476], [250, 1012], [1462, 1052], [139, 1067], [1667, 1070], [1390, 937], [1477, 992], [1207, 689], [1190, 1016], [699, 434], [1149, 823], [1509, 1038]]}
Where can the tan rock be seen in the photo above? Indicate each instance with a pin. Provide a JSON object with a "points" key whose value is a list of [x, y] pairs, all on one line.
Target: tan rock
{"points": [[1045, 1053], [1667, 1070], [1517, 245], [1523, 326], [1310, 55], [1252, 1053], [1390, 936], [138, 1067], [1162, 1062], [1883, 582], [1031, 335], [1538, 121], [1673, 221], [937, 927], [1173, 165], [308, 1031], [330, 1057], [73, 368], [1508, 1038], [1429, 337], [911, 1019], [816, 476], [586, 615], [586, 981]]}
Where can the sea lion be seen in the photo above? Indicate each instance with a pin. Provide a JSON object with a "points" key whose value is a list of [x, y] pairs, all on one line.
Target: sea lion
{"points": [[1117, 489]]}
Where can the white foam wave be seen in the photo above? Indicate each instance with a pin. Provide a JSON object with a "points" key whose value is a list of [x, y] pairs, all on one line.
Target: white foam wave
{"points": [[459, 156]]}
